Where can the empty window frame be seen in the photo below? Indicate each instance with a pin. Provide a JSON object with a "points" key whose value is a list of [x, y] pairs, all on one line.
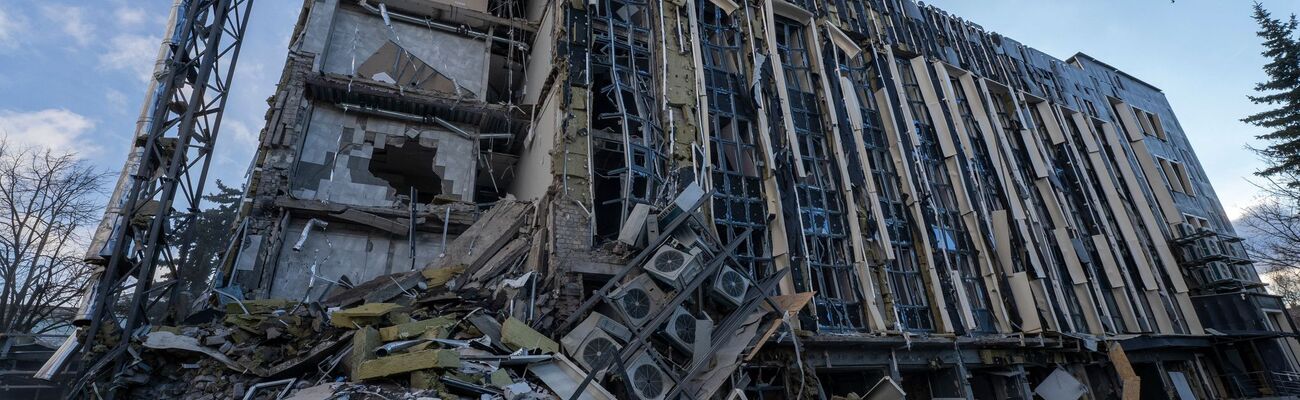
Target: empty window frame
{"points": [[825, 244], [903, 273], [626, 139], [1197, 222], [1149, 123], [1176, 177], [857, 15], [738, 188]]}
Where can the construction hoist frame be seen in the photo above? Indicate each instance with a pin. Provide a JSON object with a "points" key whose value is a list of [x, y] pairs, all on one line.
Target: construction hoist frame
{"points": [[193, 85]]}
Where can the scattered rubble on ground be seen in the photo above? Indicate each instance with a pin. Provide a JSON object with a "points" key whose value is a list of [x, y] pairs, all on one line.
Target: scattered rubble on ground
{"points": [[472, 325]]}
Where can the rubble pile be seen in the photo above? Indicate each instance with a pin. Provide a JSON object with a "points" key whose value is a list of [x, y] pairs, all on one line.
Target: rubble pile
{"points": [[676, 322]]}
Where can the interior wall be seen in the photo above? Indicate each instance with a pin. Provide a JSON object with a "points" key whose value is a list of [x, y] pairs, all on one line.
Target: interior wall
{"points": [[358, 252]]}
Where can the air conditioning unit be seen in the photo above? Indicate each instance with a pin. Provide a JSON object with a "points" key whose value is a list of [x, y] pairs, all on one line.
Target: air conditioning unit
{"points": [[681, 331], [672, 266], [594, 322], [730, 286], [597, 349], [647, 381], [637, 300], [687, 201]]}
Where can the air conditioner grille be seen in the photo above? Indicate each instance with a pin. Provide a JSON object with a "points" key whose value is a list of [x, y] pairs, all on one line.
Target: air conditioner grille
{"points": [[648, 381], [684, 328], [670, 261], [598, 351], [636, 303], [733, 284]]}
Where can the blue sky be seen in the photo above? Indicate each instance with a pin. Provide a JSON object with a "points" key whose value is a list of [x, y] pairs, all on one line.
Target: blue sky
{"points": [[72, 73]]}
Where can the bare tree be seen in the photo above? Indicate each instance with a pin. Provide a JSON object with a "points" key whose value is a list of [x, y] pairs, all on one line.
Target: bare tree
{"points": [[47, 201]]}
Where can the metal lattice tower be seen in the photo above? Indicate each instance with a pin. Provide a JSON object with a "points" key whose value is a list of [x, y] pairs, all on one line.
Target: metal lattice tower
{"points": [[159, 200]]}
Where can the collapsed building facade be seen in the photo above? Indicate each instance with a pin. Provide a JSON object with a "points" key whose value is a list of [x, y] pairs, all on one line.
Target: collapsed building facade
{"points": [[943, 209]]}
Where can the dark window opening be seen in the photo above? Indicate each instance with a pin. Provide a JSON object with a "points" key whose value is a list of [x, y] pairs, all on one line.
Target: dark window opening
{"points": [[738, 202], [625, 133]]}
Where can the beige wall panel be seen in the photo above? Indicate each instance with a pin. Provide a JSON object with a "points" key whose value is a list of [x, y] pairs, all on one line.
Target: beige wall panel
{"points": [[1002, 238], [933, 103], [1051, 122], [1025, 304]]}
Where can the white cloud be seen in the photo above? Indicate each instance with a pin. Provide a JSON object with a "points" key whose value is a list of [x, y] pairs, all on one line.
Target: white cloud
{"points": [[55, 129], [132, 53], [129, 17], [12, 28], [72, 21], [117, 100]]}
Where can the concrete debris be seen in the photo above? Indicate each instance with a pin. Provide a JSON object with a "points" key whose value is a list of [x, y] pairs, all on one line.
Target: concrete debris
{"points": [[168, 340], [1060, 385], [468, 339], [885, 389]]}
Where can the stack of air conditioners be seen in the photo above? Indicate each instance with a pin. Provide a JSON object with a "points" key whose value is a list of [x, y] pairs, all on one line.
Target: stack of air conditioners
{"points": [[629, 309]]}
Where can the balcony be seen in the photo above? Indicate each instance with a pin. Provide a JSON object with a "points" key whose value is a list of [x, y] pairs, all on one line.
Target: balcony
{"points": [[1222, 277], [1215, 262], [1199, 246]]}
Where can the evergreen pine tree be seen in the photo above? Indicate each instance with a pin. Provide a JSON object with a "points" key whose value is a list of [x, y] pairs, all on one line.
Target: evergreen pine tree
{"points": [[1282, 92]]}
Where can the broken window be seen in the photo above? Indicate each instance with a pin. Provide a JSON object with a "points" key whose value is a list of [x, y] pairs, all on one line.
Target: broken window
{"points": [[984, 172], [407, 164], [625, 133], [951, 243], [825, 245], [1176, 177], [911, 303], [1149, 123], [738, 202]]}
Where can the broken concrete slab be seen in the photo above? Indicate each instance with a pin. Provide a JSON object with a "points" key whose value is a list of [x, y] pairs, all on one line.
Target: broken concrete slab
{"points": [[266, 306], [381, 289], [562, 376], [318, 392]]}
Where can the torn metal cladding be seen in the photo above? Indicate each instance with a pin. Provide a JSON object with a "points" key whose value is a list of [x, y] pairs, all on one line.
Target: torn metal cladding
{"points": [[760, 198]]}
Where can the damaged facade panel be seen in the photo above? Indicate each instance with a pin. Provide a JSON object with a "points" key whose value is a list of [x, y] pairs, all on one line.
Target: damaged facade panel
{"points": [[780, 199]]}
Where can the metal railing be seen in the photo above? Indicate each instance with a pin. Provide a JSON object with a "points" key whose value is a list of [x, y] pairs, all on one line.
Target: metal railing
{"points": [[1261, 384], [1286, 383], [1246, 385]]}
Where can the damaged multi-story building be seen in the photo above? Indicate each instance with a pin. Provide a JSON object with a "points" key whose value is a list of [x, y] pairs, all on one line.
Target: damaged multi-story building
{"points": [[963, 216]]}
